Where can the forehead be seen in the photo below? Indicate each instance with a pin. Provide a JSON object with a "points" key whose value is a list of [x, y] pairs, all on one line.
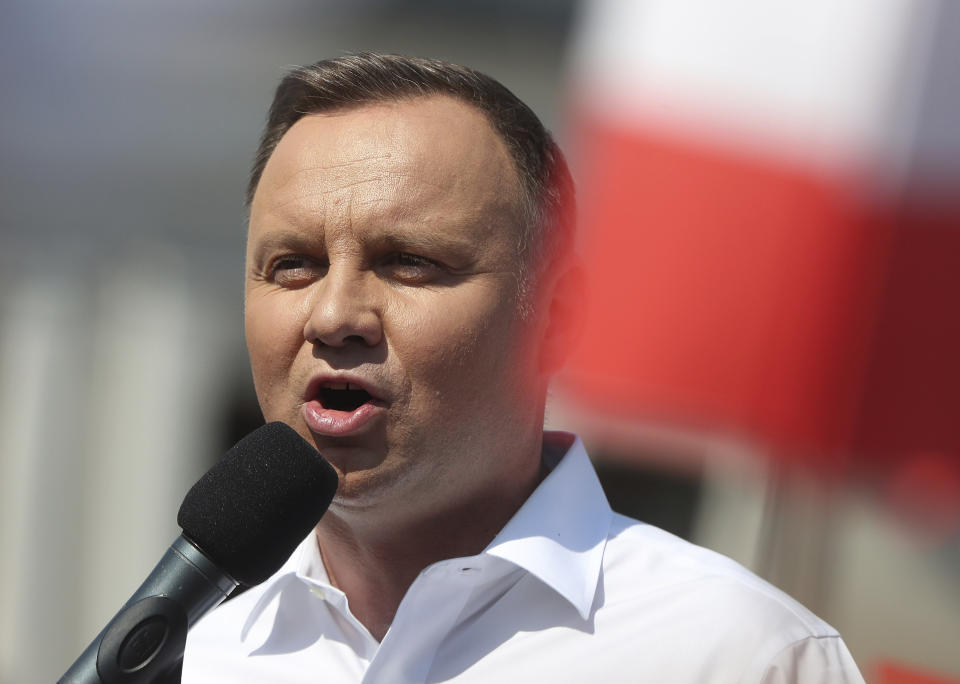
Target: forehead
{"points": [[425, 157]]}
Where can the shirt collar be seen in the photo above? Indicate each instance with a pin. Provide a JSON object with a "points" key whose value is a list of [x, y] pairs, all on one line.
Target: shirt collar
{"points": [[560, 532], [558, 535]]}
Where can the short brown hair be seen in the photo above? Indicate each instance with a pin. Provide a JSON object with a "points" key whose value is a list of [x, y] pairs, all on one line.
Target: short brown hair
{"points": [[358, 79]]}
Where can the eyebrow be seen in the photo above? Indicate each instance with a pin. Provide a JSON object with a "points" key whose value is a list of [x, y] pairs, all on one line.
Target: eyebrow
{"points": [[286, 240], [405, 239], [396, 238]]}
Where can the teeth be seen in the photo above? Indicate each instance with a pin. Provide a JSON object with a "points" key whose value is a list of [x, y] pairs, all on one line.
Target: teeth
{"points": [[341, 386]]}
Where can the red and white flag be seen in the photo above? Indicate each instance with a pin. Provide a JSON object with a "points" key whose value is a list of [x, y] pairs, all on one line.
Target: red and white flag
{"points": [[770, 197]]}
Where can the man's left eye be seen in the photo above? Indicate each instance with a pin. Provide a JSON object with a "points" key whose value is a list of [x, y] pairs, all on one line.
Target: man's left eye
{"points": [[412, 267]]}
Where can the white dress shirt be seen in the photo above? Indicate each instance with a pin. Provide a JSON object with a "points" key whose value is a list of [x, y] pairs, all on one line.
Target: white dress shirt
{"points": [[569, 591]]}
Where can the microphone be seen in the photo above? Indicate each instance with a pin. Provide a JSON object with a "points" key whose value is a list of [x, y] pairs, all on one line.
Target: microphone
{"points": [[241, 521]]}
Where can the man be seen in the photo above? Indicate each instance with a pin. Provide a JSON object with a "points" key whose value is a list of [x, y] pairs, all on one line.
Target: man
{"points": [[407, 296]]}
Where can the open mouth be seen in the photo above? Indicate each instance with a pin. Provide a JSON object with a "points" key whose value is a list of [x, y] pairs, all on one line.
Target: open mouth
{"points": [[343, 397], [334, 407]]}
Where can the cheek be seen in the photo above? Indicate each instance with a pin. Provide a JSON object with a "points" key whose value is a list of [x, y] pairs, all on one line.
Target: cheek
{"points": [[274, 334], [461, 343]]}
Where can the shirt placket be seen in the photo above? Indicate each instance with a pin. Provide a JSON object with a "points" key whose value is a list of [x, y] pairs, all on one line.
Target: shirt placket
{"points": [[428, 612]]}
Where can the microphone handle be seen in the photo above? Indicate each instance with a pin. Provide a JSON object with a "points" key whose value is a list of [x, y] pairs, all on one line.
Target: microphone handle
{"points": [[145, 640]]}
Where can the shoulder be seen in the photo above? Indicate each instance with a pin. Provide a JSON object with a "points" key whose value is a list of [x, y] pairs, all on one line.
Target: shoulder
{"points": [[656, 583], [641, 560]]}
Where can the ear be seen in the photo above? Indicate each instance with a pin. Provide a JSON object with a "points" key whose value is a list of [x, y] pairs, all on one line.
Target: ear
{"points": [[564, 316]]}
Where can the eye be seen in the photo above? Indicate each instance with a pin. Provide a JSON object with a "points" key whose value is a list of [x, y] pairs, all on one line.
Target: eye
{"points": [[412, 268], [295, 270]]}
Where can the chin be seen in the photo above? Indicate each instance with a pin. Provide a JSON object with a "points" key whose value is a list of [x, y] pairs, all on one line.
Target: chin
{"points": [[364, 491]]}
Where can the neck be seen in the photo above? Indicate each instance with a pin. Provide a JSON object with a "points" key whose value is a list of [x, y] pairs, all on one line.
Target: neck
{"points": [[374, 559]]}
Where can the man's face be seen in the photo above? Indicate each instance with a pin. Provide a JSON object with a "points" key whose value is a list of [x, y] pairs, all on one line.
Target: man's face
{"points": [[381, 299]]}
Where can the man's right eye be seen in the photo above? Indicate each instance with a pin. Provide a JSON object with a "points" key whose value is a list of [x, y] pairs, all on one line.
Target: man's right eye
{"points": [[296, 271]]}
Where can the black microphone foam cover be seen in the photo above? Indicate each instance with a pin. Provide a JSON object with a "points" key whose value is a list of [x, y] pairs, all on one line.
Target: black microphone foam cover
{"points": [[251, 510]]}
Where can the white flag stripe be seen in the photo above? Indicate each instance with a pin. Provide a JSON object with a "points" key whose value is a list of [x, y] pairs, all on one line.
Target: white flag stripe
{"points": [[817, 81]]}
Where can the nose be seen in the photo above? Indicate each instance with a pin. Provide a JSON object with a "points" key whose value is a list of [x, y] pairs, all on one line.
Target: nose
{"points": [[343, 310]]}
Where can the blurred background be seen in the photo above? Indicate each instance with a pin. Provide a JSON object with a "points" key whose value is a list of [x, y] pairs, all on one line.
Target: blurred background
{"points": [[770, 209]]}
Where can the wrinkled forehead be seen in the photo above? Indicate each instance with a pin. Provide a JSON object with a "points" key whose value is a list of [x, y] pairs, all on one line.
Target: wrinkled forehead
{"points": [[431, 151]]}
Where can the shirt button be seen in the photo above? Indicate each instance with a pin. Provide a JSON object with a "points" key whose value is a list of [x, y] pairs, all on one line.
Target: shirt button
{"points": [[318, 591]]}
